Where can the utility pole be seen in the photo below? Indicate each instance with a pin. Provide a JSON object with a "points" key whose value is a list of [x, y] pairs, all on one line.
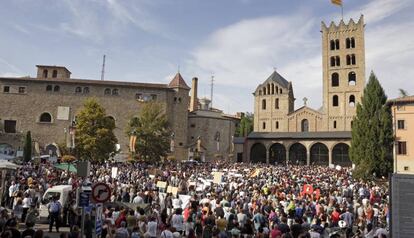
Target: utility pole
{"points": [[103, 68], [211, 91]]}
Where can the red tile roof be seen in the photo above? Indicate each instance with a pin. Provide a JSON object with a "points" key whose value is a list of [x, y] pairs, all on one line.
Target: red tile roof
{"points": [[178, 82]]}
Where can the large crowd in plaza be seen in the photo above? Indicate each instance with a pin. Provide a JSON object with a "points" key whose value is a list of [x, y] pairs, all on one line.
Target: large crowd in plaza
{"points": [[250, 200]]}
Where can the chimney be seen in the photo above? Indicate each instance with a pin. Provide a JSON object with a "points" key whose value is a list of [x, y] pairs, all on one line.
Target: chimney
{"points": [[194, 99]]}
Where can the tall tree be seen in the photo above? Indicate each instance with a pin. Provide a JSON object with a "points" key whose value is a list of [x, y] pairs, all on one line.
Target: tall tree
{"points": [[94, 136], [372, 133], [152, 132], [27, 150], [245, 125]]}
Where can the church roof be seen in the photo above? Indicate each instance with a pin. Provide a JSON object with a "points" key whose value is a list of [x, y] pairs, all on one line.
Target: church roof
{"points": [[276, 77], [406, 99], [301, 135], [178, 82]]}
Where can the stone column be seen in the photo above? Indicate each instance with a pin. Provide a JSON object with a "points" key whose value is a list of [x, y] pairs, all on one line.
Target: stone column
{"points": [[287, 157], [329, 156], [267, 156], [308, 157]]}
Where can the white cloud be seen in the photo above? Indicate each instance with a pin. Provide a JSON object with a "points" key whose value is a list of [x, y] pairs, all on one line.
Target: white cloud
{"points": [[243, 55], [97, 20]]}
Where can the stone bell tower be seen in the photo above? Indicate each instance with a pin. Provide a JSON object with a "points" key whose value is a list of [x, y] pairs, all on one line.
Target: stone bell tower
{"points": [[343, 62]]}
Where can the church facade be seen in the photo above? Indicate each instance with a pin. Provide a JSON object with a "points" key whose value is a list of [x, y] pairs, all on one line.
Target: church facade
{"points": [[305, 135]]}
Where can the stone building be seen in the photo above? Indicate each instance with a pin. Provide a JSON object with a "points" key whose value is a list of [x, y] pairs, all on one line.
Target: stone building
{"points": [[403, 119], [47, 105], [210, 131], [305, 135]]}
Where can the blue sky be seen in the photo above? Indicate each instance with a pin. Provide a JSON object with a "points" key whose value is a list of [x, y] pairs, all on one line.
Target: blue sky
{"points": [[239, 41]]}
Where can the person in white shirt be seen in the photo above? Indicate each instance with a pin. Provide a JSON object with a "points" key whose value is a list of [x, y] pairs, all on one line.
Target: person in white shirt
{"points": [[27, 201], [177, 221], [152, 228], [167, 233], [12, 192]]}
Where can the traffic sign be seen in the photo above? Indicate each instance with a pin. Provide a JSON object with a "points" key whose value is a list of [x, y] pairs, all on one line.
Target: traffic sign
{"points": [[101, 192]]}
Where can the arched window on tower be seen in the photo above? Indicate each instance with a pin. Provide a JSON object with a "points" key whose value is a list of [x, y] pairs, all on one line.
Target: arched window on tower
{"points": [[334, 124], [277, 103], [332, 43], [115, 91], [337, 44], [351, 78], [264, 90], [54, 74], [348, 43], [280, 91], [305, 125], [268, 89], [78, 90], [335, 102], [107, 91], [273, 88], [56, 88], [352, 101], [353, 60], [45, 73], [337, 61], [86, 90], [335, 80], [332, 61], [49, 88], [260, 92], [352, 42], [348, 60], [277, 124], [277, 89], [264, 125], [264, 104]]}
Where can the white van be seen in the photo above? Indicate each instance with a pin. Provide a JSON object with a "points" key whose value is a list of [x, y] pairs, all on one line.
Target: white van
{"points": [[61, 191]]}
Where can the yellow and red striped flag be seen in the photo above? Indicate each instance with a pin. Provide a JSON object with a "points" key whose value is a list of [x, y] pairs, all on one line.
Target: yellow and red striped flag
{"points": [[337, 2]]}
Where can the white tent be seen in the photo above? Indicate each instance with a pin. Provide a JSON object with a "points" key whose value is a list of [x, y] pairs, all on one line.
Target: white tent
{"points": [[8, 165]]}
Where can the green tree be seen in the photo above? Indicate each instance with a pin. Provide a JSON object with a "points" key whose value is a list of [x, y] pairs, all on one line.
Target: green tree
{"points": [[152, 132], [245, 125], [372, 133], [94, 136], [27, 150]]}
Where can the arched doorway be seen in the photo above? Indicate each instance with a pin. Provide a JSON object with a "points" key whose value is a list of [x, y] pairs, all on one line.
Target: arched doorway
{"points": [[277, 154], [340, 155], [52, 150], [258, 153], [297, 154], [319, 154]]}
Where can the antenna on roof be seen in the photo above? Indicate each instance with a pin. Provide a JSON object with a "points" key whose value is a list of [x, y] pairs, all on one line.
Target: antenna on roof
{"points": [[211, 90], [103, 68]]}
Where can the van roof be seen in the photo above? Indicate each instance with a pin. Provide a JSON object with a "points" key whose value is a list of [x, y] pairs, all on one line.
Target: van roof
{"points": [[60, 188]]}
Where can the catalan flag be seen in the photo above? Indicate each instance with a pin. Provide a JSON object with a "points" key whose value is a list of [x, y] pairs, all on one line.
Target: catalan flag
{"points": [[337, 2]]}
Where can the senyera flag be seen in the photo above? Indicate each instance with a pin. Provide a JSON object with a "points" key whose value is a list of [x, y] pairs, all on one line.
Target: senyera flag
{"points": [[337, 2]]}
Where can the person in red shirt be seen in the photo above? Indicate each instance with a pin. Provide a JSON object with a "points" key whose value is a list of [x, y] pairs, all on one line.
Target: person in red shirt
{"points": [[335, 217], [275, 233]]}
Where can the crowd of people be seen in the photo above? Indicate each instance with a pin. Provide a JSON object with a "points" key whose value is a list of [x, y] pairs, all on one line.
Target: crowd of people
{"points": [[207, 200]]}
